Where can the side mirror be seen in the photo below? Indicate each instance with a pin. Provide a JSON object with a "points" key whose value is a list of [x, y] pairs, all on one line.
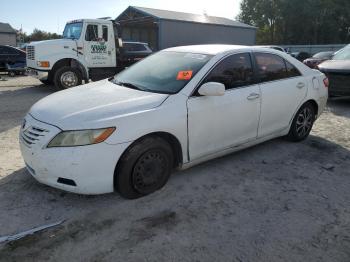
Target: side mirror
{"points": [[120, 42], [212, 89]]}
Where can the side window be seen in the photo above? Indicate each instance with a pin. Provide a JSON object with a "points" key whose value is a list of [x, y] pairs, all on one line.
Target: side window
{"points": [[139, 47], [126, 47], [105, 32], [6, 51], [234, 71], [91, 33], [292, 71], [270, 67]]}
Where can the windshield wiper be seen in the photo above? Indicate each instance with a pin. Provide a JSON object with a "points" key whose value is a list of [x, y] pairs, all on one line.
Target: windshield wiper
{"points": [[129, 85]]}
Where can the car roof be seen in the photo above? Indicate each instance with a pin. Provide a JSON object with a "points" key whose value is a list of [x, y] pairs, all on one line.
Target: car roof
{"points": [[215, 49]]}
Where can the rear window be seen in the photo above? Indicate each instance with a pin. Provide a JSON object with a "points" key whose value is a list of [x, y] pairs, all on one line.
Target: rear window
{"points": [[270, 67]]}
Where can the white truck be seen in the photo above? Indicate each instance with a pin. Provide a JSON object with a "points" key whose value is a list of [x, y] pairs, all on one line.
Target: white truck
{"points": [[88, 50]]}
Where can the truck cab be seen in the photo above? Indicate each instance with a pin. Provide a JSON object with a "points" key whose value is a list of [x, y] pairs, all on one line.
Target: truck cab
{"points": [[88, 50]]}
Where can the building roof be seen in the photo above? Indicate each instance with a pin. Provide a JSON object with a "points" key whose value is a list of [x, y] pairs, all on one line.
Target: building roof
{"points": [[188, 17], [6, 28]]}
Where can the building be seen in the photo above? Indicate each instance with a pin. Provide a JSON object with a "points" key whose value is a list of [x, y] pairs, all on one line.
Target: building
{"points": [[7, 35], [162, 29]]}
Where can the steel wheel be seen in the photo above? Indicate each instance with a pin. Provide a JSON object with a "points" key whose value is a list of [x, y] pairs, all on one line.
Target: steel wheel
{"points": [[149, 170], [69, 79], [304, 122], [145, 167]]}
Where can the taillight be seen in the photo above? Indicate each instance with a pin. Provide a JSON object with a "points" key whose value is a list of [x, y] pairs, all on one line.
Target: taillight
{"points": [[326, 82]]}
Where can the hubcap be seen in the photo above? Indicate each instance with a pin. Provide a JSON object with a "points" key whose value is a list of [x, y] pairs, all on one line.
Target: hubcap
{"points": [[69, 79], [149, 171], [304, 122]]}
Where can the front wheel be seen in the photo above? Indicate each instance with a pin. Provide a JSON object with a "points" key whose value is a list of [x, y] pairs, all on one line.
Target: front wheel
{"points": [[46, 82], [67, 77], [302, 123], [144, 168]]}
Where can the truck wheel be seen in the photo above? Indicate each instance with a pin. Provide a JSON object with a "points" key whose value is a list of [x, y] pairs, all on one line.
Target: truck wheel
{"points": [[46, 82], [67, 77]]}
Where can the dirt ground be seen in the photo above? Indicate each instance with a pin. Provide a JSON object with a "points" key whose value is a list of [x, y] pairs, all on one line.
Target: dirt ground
{"points": [[278, 201]]}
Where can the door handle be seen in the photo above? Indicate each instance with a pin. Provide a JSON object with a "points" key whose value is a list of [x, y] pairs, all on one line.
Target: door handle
{"points": [[300, 85], [253, 96]]}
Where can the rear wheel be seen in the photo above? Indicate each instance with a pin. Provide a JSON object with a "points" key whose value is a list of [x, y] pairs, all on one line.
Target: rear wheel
{"points": [[67, 77], [302, 123], [144, 168], [12, 73]]}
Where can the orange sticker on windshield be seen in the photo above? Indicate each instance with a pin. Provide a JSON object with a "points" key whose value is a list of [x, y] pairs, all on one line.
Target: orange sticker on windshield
{"points": [[184, 75]]}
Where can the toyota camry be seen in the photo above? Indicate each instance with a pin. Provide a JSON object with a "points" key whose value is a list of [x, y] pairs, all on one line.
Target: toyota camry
{"points": [[176, 108]]}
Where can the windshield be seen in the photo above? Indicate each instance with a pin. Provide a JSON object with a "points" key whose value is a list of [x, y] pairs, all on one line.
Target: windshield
{"points": [[72, 30], [343, 54], [323, 55], [164, 72]]}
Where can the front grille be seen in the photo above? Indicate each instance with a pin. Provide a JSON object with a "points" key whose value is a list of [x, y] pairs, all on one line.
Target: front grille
{"points": [[33, 135], [31, 52]]}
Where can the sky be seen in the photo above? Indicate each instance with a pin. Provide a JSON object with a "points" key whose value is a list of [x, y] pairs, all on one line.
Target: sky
{"points": [[52, 15]]}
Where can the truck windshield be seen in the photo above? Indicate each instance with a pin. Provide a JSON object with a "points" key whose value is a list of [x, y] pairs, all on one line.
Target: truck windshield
{"points": [[72, 30], [165, 72]]}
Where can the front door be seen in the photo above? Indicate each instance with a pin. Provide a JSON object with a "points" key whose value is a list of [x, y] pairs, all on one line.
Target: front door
{"points": [[216, 123], [95, 47]]}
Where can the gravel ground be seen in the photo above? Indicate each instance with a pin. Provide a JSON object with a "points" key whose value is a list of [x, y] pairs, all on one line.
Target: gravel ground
{"points": [[278, 201]]}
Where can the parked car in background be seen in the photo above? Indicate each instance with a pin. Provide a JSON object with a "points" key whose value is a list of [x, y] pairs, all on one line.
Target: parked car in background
{"points": [[338, 72], [318, 58], [132, 52], [129, 132], [301, 56], [279, 48], [11, 57]]}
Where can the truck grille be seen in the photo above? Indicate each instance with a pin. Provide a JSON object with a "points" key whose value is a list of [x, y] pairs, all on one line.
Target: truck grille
{"points": [[33, 135], [31, 52]]}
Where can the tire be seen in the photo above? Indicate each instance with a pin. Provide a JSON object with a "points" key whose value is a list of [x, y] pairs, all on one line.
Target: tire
{"points": [[67, 77], [144, 168], [12, 74], [46, 82], [302, 123]]}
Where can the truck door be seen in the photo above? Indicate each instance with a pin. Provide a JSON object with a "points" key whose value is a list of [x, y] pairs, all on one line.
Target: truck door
{"points": [[108, 38], [97, 50]]}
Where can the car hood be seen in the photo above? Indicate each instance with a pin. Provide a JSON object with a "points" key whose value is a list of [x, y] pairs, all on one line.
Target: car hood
{"points": [[93, 105], [335, 66]]}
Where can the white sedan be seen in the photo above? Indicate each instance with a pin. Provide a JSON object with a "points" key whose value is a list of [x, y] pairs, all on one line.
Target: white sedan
{"points": [[174, 109]]}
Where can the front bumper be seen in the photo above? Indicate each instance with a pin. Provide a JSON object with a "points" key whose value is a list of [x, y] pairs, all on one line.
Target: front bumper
{"points": [[91, 168], [41, 75]]}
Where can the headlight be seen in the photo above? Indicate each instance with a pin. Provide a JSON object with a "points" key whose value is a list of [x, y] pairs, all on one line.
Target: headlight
{"points": [[81, 137]]}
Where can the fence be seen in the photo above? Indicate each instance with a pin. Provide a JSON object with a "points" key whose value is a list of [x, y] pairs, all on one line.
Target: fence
{"points": [[312, 49]]}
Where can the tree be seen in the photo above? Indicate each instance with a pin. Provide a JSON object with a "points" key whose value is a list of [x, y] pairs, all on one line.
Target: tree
{"points": [[298, 21], [36, 35]]}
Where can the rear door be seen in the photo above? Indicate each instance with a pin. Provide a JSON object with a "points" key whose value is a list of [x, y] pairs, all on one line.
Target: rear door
{"points": [[283, 88]]}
